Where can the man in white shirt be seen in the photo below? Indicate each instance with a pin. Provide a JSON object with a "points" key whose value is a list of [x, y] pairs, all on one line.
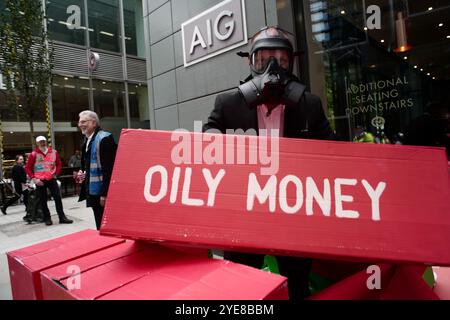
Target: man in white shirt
{"points": [[97, 161]]}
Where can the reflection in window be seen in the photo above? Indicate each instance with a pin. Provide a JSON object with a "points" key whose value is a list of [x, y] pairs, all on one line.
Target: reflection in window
{"points": [[377, 82], [104, 22], [18, 113], [67, 143], [134, 28], [66, 21], [70, 96], [6, 112], [109, 105], [138, 98], [333, 22]]}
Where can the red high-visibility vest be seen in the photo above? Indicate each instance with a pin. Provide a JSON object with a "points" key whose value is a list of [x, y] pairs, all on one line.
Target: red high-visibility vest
{"points": [[45, 166]]}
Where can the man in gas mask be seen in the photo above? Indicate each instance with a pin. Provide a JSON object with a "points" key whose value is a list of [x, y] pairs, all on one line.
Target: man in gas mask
{"points": [[272, 98]]}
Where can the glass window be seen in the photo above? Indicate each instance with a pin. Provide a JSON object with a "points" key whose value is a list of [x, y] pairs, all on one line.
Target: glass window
{"points": [[66, 145], [387, 84], [134, 28], [6, 112], [109, 105], [70, 96], [138, 99], [104, 24], [18, 113], [66, 21]]}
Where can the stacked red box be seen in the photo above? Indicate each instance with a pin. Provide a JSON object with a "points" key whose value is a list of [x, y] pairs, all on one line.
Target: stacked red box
{"points": [[148, 271], [366, 215], [396, 282], [407, 283], [442, 286], [26, 264], [355, 286]]}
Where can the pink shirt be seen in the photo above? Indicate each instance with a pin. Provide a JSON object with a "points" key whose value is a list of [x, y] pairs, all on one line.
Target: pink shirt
{"points": [[274, 120]]}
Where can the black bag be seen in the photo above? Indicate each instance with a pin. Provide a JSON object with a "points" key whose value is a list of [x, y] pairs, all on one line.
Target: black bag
{"points": [[34, 210]]}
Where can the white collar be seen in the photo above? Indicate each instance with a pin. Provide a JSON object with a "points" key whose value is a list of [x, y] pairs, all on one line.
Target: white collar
{"points": [[91, 135]]}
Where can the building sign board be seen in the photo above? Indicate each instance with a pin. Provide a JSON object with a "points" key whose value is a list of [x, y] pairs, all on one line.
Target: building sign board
{"points": [[214, 31], [93, 60]]}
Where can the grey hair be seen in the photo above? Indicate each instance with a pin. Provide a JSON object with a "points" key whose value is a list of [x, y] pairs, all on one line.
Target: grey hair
{"points": [[91, 115]]}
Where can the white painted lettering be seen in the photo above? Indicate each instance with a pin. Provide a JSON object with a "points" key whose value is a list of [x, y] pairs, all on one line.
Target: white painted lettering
{"points": [[339, 198], [268, 192]]}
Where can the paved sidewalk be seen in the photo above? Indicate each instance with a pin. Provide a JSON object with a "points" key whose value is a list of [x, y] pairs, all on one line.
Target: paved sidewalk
{"points": [[15, 233]]}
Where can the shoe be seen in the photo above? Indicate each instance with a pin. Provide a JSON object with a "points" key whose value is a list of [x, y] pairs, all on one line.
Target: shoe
{"points": [[4, 210], [64, 219], [48, 222]]}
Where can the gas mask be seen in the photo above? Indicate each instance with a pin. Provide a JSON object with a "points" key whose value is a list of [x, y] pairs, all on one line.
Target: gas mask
{"points": [[274, 86], [271, 62]]}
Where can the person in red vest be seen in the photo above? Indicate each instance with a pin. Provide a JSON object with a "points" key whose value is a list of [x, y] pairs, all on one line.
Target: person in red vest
{"points": [[43, 166]]}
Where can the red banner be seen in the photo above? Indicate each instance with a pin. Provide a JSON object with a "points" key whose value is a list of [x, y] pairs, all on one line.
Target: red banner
{"points": [[287, 196]]}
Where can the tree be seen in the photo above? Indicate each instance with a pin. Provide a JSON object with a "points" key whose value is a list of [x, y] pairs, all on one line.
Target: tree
{"points": [[25, 59]]}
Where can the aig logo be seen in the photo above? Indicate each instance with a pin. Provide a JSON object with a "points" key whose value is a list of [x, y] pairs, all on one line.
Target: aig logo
{"points": [[214, 31]]}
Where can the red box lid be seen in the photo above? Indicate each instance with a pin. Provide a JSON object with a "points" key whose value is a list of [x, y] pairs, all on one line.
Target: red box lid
{"points": [[140, 271], [49, 253]]}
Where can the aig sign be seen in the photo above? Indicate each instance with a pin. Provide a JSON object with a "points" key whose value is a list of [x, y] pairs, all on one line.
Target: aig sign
{"points": [[214, 31]]}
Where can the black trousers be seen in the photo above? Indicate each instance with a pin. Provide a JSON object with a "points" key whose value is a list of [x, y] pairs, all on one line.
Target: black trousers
{"points": [[295, 269], [17, 197], [51, 185], [94, 203]]}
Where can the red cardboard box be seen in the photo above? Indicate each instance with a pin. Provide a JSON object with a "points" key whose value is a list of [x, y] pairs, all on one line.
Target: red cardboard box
{"points": [[25, 264], [330, 200], [355, 287], [442, 286], [148, 272], [407, 284], [397, 282]]}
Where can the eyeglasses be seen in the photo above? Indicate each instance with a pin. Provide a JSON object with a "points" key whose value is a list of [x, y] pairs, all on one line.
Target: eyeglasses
{"points": [[83, 121]]}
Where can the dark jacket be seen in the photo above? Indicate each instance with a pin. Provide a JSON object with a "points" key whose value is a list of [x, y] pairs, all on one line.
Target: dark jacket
{"points": [[306, 120], [19, 176], [108, 149], [427, 130]]}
